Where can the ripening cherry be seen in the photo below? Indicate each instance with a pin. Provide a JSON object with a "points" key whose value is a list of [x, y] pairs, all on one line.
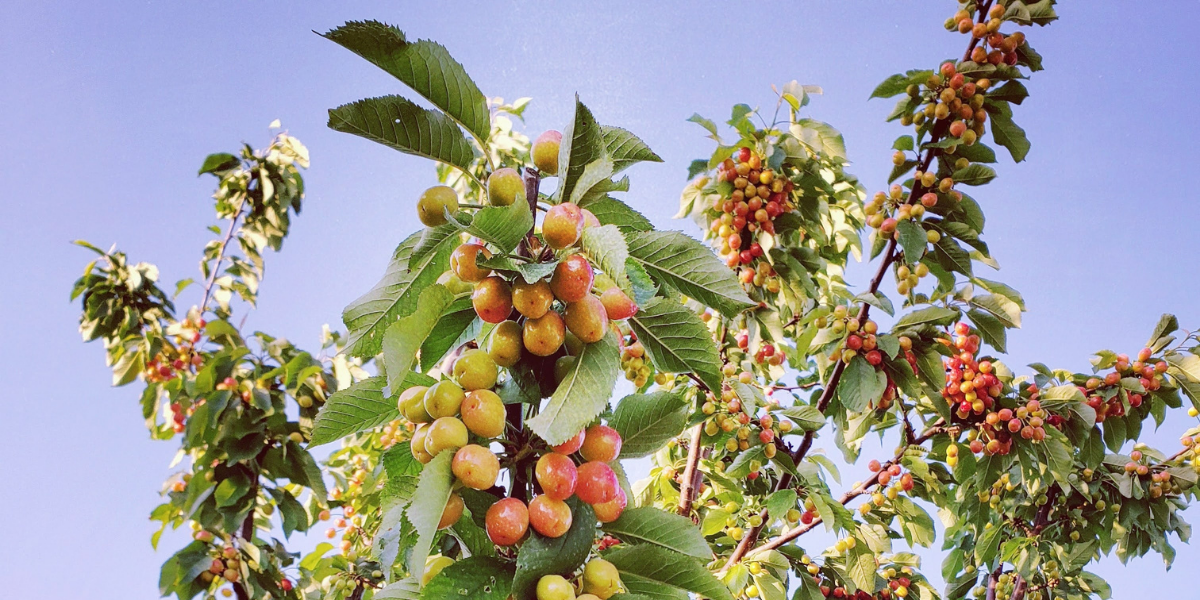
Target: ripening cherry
{"points": [[557, 475], [433, 202], [572, 278], [443, 399], [453, 511], [475, 370], [554, 587], [483, 413], [463, 262], [617, 304], [572, 445], [505, 185], [597, 483], [607, 512], [587, 319], [420, 436], [562, 225], [601, 443], [549, 517], [874, 466], [544, 152], [475, 466], [504, 343], [492, 299], [507, 521], [544, 336], [446, 433], [532, 300], [285, 585], [601, 578]]}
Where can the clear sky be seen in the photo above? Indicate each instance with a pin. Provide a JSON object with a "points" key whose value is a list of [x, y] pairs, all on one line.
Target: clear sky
{"points": [[109, 108]]}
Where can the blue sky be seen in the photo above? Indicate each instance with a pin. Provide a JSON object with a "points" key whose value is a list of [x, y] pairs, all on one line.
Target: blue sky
{"points": [[110, 107]]}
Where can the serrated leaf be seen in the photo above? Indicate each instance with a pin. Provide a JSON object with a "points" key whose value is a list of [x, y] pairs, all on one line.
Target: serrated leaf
{"points": [[541, 555], [610, 211], [214, 163], [705, 123], [673, 258], [397, 123], [911, 237], [659, 565], [405, 589], [861, 384], [529, 271], [806, 417], [1009, 134], [975, 174], [582, 143], [649, 525], [458, 324], [605, 246], [395, 296], [504, 226], [878, 300], [1166, 324], [477, 577], [988, 545], [819, 136], [405, 337], [359, 407], [990, 329], [780, 502], [1002, 308], [934, 315], [647, 422], [626, 149], [425, 66], [582, 394], [429, 501], [677, 341], [861, 565]]}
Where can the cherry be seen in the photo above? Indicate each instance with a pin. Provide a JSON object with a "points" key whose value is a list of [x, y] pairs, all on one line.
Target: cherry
{"points": [[549, 517], [505, 185], [572, 445], [554, 587], [420, 436], [446, 433], [587, 319], [483, 413], [433, 202], [545, 152], [532, 300], [544, 336], [607, 512], [285, 585], [463, 262], [504, 343], [597, 483], [453, 511], [444, 399], [475, 370], [617, 304], [475, 466], [562, 225], [601, 443], [557, 475], [601, 578], [492, 299], [572, 279], [507, 521]]}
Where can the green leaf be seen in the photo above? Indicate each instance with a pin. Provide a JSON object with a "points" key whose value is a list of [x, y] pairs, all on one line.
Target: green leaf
{"points": [[647, 422], [878, 300], [429, 501], [477, 577], [677, 341], [674, 259], [529, 271], [1003, 308], [934, 315], [912, 240], [988, 545], [405, 589], [359, 407], [705, 123], [990, 329], [861, 384], [974, 174], [457, 325], [820, 137], [1012, 91], [605, 246], [582, 144], [395, 296], [405, 337], [649, 525], [892, 86], [582, 394], [541, 555], [1009, 134], [214, 163], [397, 123], [654, 564], [780, 502], [1058, 456], [626, 149], [806, 417], [425, 66], [861, 565], [1166, 324], [904, 142], [610, 211], [504, 226]]}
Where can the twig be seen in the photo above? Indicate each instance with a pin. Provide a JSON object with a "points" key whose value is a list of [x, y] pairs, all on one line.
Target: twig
{"points": [[212, 277], [687, 487], [514, 412]]}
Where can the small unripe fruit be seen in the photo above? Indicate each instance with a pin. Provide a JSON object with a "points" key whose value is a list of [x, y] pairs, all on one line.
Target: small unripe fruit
{"points": [[562, 225], [507, 521], [554, 587], [483, 413], [420, 436], [453, 511], [433, 566], [545, 152], [504, 343], [601, 578], [607, 512], [504, 186], [475, 370], [433, 202]]}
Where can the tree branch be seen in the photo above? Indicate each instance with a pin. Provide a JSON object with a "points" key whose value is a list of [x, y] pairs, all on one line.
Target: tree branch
{"points": [[212, 277], [514, 412], [687, 487]]}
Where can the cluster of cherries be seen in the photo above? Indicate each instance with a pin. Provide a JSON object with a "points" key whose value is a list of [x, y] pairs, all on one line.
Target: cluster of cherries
{"points": [[892, 481], [759, 195], [1160, 480], [1003, 47], [634, 363], [170, 361], [898, 582], [1148, 371], [728, 414]]}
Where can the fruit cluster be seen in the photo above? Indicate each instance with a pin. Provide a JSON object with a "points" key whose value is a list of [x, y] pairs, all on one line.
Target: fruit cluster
{"points": [[1140, 465], [727, 414], [1103, 393], [892, 481], [886, 211], [599, 580], [1003, 47], [635, 364], [179, 358], [899, 583], [756, 195]]}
